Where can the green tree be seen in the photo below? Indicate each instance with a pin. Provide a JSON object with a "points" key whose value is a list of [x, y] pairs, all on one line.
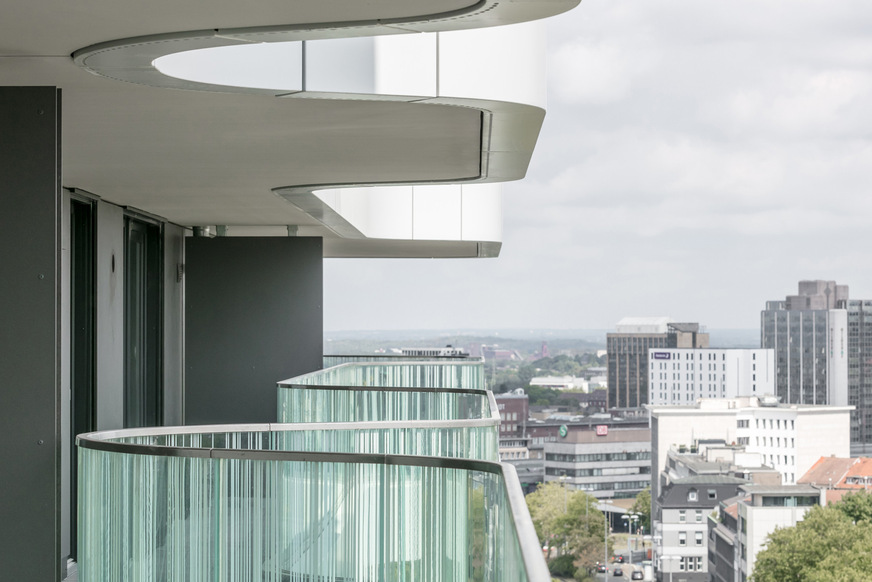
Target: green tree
{"points": [[857, 506], [526, 373], [571, 521], [642, 506], [542, 396], [827, 546]]}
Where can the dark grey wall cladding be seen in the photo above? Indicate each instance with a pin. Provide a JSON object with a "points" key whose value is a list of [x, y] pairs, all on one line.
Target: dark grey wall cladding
{"points": [[253, 317], [29, 334]]}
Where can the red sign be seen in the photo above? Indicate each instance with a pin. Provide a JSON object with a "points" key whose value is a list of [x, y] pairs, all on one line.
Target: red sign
{"points": [[602, 430]]}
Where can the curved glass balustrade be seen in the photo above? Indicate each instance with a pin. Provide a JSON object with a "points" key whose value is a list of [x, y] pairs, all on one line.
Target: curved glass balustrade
{"points": [[389, 391], [311, 404], [413, 493], [152, 510]]}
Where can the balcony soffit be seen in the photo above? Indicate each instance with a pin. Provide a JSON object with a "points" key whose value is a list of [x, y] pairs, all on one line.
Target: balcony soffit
{"points": [[213, 158]]}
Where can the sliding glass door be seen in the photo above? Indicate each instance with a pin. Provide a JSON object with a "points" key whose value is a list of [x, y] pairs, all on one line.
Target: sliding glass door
{"points": [[142, 324]]}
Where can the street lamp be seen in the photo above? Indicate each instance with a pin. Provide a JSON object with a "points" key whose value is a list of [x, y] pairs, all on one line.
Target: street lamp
{"points": [[672, 566], [605, 539], [565, 506], [630, 517]]}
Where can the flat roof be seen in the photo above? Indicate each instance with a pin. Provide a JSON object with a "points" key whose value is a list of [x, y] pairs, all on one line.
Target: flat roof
{"points": [[780, 489]]}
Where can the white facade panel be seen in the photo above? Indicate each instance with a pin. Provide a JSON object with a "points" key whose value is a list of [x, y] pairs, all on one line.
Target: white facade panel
{"points": [[821, 435], [389, 212], [482, 217], [446, 212], [437, 213], [837, 357], [516, 75], [340, 65], [405, 64]]}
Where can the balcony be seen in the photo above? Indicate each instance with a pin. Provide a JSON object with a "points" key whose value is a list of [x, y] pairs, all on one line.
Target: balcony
{"points": [[379, 471]]}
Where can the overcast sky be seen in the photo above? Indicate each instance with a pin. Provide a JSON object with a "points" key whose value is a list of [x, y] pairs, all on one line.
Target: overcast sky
{"points": [[698, 158]]}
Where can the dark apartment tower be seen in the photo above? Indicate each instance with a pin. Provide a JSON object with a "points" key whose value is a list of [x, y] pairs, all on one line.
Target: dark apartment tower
{"points": [[860, 374], [808, 332], [628, 354]]}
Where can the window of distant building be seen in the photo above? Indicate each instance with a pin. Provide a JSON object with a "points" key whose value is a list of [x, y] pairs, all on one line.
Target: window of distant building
{"points": [[698, 538], [692, 495], [682, 538]]}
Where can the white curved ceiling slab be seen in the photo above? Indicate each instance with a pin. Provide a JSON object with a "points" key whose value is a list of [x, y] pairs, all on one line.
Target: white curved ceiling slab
{"points": [[199, 158]]}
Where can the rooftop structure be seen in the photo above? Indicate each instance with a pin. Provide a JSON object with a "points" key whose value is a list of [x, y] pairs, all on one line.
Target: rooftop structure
{"points": [[643, 325], [162, 255], [716, 459], [790, 437]]}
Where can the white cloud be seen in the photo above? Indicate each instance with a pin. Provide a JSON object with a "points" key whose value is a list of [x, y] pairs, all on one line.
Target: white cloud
{"points": [[698, 158], [592, 74]]}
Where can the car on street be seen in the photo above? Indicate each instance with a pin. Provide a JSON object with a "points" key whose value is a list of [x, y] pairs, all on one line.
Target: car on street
{"points": [[618, 572], [637, 575], [600, 568]]}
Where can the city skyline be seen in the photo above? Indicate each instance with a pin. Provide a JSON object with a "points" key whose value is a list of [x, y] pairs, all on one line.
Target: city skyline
{"points": [[695, 163]]}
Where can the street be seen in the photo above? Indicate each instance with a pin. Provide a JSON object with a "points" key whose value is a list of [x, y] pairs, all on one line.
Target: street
{"points": [[626, 570]]}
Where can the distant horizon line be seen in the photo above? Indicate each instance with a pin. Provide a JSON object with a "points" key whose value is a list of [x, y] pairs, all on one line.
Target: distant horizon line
{"points": [[513, 329]]}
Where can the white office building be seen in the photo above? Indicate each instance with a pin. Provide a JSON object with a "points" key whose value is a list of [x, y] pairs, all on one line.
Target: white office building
{"points": [[791, 437], [764, 509], [681, 376]]}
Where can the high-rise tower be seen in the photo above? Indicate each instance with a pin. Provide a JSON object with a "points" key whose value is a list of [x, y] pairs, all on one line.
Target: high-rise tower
{"points": [[809, 333]]}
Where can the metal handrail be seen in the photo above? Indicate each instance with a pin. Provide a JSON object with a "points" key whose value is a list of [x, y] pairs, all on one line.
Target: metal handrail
{"points": [[103, 440], [528, 542], [534, 562]]}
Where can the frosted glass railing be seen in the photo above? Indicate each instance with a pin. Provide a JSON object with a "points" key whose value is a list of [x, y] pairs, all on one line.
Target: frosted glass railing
{"points": [[469, 375], [359, 392], [227, 503], [339, 404], [337, 359]]}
